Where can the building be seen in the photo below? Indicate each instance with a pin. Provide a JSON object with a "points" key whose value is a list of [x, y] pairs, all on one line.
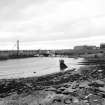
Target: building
{"points": [[85, 47], [102, 46]]}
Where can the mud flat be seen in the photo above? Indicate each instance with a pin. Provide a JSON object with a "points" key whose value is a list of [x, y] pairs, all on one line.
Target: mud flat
{"points": [[83, 87]]}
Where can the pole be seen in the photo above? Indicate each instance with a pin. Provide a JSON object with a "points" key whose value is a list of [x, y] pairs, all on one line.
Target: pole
{"points": [[17, 47]]}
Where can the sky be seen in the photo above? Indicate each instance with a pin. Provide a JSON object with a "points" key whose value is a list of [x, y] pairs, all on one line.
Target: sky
{"points": [[51, 24]]}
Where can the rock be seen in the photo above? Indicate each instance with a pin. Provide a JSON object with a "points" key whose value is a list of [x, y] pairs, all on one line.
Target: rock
{"points": [[50, 89], [68, 100], [84, 85], [75, 100], [100, 70], [97, 83], [57, 99], [102, 89], [71, 90], [68, 91], [62, 88], [58, 91], [86, 97], [100, 82], [94, 100], [74, 85]]}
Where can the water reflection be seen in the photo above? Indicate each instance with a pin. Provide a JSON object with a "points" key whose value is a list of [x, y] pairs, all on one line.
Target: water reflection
{"points": [[96, 67]]}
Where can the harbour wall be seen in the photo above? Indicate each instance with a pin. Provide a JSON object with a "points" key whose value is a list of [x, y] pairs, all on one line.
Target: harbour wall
{"points": [[13, 53]]}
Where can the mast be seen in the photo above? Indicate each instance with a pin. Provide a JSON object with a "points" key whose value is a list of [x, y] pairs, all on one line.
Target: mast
{"points": [[17, 47]]}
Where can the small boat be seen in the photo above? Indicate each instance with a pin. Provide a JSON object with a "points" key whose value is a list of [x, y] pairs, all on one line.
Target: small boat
{"points": [[36, 55]]}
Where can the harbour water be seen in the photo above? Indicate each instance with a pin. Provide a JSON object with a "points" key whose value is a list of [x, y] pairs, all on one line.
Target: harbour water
{"points": [[17, 68]]}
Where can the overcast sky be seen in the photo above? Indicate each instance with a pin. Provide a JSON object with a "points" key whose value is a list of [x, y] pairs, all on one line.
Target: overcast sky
{"points": [[51, 24]]}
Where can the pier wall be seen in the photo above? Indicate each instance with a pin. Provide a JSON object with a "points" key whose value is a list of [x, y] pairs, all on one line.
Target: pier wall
{"points": [[66, 52], [21, 52]]}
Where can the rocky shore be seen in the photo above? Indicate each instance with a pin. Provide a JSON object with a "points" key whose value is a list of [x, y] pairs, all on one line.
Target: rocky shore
{"points": [[83, 87]]}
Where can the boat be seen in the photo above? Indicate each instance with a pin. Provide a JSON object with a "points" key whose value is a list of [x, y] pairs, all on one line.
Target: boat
{"points": [[36, 55]]}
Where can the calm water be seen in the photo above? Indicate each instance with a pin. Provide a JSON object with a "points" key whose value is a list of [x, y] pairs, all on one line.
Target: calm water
{"points": [[26, 67]]}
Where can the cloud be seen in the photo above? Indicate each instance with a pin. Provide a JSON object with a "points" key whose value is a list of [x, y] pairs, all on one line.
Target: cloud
{"points": [[48, 20], [55, 44]]}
